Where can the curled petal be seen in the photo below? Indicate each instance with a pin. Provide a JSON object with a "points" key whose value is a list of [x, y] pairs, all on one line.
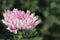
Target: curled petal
{"points": [[32, 15], [37, 22], [35, 18]]}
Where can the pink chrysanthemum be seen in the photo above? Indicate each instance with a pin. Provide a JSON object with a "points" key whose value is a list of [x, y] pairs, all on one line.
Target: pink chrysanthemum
{"points": [[19, 20]]}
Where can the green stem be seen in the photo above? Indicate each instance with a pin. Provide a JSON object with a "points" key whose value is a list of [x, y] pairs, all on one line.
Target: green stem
{"points": [[14, 37], [19, 35]]}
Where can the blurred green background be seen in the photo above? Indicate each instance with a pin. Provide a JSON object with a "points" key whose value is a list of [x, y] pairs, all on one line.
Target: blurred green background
{"points": [[48, 11]]}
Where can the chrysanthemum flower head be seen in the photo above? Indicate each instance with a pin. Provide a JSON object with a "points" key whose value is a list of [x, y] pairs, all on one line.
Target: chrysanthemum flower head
{"points": [[19, 20]]}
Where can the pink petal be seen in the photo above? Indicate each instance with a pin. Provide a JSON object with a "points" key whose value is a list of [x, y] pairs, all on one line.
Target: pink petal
{"points": [[32, 15], [37, 22], [35, 18]]}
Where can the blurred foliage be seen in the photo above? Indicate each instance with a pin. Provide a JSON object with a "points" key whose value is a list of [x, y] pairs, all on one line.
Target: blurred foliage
{"points": [[48, 11]]}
